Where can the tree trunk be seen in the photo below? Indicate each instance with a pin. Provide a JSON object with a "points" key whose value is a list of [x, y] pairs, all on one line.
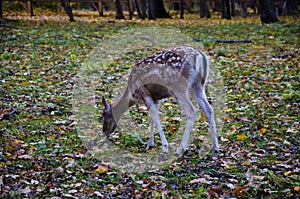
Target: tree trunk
{"points": [[66, 5], [30, 8], [149, 7], [291, 8], [137, 9], [217, 5], [225, 9], [144, 11], [1, 15], [159, 10], [181, 9], [100, 8], [203, 9], [232, 8], [130, 9], [119, 10], [267, 12]]}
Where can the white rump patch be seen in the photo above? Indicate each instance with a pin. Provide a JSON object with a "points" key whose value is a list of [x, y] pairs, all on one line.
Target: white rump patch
{"points": [[198, 63]]}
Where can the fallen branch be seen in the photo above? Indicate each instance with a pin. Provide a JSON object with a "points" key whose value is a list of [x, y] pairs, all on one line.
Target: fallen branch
{"points": [[225, 41], [233, 41], [284, 55]]}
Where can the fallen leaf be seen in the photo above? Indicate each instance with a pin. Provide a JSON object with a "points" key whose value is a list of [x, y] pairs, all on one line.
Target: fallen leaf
{"points": [[149, 185], [102, 169], [242, 137], [240, 190], [199, 180], [231, 186], [89, 191], [25, 157]]}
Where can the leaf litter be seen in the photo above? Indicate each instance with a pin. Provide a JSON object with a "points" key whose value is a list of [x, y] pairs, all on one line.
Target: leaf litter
{"points": [[42, 155]]}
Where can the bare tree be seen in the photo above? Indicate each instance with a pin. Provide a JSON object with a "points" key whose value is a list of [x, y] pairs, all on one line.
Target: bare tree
{"points": [[149, 7], [203, 9], [66, 5], [143, 5], [1, 15], [181, 5], [267, 12], [159, 10], [119, 10], [225, 9]]}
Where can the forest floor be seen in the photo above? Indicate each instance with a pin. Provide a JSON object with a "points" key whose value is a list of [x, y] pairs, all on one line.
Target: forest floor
{"points": [[42, 156]]}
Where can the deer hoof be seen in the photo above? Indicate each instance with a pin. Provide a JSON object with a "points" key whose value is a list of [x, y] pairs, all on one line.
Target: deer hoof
{"points": [[149, 147], [165, 148], [180, 150], [216, 149]]}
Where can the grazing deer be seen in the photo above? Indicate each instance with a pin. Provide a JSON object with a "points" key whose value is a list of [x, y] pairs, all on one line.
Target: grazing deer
{"points": [[174, 72]]}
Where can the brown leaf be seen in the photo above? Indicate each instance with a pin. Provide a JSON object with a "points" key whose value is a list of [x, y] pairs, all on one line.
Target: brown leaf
{"points": [[149, 185], [240, 190], [89, 191]]}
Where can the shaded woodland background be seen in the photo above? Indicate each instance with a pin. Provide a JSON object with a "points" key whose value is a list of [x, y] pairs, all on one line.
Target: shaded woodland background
{"points": [[152, 9]]}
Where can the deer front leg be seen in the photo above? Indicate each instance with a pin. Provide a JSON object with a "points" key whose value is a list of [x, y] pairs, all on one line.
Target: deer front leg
{"points": [[154, 116], [190, 113], [152, 125]]}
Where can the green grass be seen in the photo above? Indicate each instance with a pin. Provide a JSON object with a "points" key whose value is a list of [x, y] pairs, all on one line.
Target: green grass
{"points": [[42, 156]]}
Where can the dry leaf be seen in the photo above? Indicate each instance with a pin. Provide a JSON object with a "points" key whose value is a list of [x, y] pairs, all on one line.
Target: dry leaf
{"points": [[25, 157], [200, 180]]}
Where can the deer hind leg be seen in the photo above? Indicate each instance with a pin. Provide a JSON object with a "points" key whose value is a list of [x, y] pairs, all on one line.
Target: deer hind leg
{"points": [[190, 112], [152, 125], [209, 113], [154, 117]]}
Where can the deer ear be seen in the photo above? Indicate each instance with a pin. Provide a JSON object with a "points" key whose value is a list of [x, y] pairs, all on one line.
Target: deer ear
{"points": [[105, 103]]}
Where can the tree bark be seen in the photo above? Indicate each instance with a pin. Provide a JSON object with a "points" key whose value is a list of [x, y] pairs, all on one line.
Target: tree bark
{"points": [[100, 8], [291, 8], [66, 5], [225, 9], [30, 7], [130, 9], [149, 7], [267, 12], [1, 15], [232, 8], [119, 10], [144, 11], [137, 9], [181, 9], [159, 10], [203, 9]]}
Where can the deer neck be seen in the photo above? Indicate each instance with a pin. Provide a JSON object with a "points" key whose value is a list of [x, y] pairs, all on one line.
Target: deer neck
{"points": [[122, 103]]}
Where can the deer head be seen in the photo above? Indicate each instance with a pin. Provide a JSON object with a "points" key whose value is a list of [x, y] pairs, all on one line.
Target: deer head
{"points": [[108, 120]]}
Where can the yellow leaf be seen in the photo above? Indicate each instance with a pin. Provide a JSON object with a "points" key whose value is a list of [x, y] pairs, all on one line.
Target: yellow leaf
{"points": [[297, 188], [277, 79], [286, 173], [246, 163], [101, 169], [263, 130], [228, 110], [242, 137]]}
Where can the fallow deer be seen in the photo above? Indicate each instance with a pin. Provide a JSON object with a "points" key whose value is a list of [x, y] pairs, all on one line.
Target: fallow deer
{"points": [[179, 72]]}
